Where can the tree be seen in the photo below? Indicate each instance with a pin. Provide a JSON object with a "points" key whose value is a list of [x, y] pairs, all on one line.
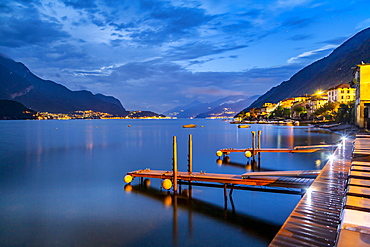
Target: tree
{"points": [[328, 110], [281, 112], [298, 109], [346, 113]]}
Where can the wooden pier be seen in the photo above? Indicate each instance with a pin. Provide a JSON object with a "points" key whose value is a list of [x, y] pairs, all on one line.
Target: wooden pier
{"points": [[278, 179], [268, 150], [226, 179], [335, 208], [335, 211]]}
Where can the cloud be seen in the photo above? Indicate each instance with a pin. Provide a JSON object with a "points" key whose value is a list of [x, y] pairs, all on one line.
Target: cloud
{"points": [[159, 81], [336, 41], [297, 22], [199, 49], [23, 25], [364, 24], [300, 37], [290, 3], [310, 54], [80, 4]]}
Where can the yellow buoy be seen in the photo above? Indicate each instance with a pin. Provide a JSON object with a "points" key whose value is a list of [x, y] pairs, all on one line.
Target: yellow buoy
{"points": [[219, 153], [248, 154], [127, 179], [167, 184]]}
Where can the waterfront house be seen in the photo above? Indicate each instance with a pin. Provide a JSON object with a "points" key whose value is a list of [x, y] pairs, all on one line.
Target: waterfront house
{"points": [[342, 93], [362, 104]]}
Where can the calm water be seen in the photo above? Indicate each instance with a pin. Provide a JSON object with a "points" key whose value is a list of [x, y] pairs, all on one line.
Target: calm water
{"points": [[61, 183]]}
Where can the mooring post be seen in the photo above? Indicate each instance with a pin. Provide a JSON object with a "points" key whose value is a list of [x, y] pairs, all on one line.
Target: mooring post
{"points": [[259, 139], [259, 133], [190, 164], [253, 144], [174, 165]]}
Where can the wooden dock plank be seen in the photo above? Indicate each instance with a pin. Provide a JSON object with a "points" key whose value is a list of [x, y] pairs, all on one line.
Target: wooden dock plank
{"points": [[359, 174], [315, 146], [360, 163], [359, 182], [360, 168], [358, 191], [283, 173], [358, 203]]}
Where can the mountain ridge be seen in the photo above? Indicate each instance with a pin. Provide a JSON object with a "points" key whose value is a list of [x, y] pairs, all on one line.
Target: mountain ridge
{"points": [[323, 73], [224, 107], [18, 83]]}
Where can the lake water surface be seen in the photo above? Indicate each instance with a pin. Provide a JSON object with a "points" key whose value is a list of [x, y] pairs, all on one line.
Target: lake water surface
{"points": [[61, 183]]}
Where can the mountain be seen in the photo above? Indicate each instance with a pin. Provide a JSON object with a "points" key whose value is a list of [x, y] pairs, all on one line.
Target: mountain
{"points": [[324, 73], [228, 107], [224, 107], [10, 109], [18, 83]]}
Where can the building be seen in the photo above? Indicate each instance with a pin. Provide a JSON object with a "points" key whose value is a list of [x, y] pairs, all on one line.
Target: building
{"points": [[316, 103], [287, 103], [362, 104], [342, 93], [268, 107], [302, 98]]}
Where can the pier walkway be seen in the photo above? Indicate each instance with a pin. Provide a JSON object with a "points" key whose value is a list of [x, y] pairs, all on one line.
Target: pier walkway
{"points": [[227, 179], [335, 211]]}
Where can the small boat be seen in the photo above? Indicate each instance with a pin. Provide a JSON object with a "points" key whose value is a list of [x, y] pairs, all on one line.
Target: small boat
{"points": [[189, 126], [243, 126]]}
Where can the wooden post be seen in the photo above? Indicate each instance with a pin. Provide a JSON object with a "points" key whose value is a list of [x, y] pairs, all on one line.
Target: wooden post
{"points": [[174, 164], [259, 147], [259, 139], [190, 164], [253, 143]]}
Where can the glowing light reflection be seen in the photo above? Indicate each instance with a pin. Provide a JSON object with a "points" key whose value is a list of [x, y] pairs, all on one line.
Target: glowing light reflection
{"points": [[331, 157], [308, 195]]}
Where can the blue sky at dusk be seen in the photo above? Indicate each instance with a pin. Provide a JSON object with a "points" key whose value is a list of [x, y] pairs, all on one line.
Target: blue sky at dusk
{"points": [[155, 55]]}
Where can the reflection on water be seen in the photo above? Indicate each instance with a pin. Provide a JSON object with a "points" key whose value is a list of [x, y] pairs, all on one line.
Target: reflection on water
{"points": [[61, 183], [258, 228]]}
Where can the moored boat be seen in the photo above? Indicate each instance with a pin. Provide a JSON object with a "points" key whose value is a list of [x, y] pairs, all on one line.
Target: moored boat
{"points": [[189, 126]]}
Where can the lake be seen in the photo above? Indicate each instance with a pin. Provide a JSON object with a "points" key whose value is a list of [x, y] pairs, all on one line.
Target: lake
{"points": [[62, 183]]}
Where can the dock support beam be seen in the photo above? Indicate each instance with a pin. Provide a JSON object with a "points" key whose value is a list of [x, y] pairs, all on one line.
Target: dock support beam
{"points": [[259, 133], [174, 165], [253, 144], [190, 164]]}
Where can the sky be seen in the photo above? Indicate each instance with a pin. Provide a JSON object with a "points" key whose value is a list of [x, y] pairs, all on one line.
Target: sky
{"points": [[156, 55]]}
